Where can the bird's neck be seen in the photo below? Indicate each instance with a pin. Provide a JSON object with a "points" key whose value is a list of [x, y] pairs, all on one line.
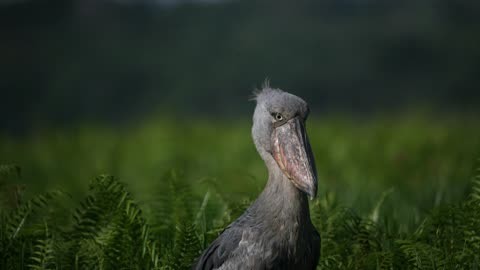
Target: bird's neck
{"points": [[281, 200]]}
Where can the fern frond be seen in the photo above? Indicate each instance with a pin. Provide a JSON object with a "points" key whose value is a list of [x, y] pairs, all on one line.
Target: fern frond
{"points": [[18, 217], [111, 224], [186, 249], [43, 256]]}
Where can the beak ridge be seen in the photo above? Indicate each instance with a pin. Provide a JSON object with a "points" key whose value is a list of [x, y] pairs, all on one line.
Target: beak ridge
{"points": [[293, 154]]}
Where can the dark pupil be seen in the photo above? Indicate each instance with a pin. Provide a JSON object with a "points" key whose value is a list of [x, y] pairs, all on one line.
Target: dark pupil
{"points": [[278, 116]]}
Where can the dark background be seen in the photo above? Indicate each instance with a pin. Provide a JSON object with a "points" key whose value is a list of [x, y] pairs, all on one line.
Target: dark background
{"points": [[69, 61]]}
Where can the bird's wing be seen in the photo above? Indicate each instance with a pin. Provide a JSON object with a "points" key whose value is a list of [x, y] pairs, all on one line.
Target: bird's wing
{"points": [[219, 250]]}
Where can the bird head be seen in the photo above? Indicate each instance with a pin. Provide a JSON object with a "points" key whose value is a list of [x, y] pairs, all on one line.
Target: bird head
{"points": [[279, 133]]}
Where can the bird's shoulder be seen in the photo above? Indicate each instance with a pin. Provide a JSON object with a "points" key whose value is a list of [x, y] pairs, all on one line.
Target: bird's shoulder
{"points": [[220, 249]]}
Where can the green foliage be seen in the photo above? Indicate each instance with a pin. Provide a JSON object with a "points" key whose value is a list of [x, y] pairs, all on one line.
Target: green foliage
{"points": [[108, 230], [391, 196], [448, 238], [42, 256]]}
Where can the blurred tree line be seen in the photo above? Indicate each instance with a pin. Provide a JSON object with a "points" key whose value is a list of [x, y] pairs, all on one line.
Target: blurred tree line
{"points": [[64, 61]]}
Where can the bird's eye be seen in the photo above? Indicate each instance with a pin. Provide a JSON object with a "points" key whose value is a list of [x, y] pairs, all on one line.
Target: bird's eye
{"points": [[277, 116]]}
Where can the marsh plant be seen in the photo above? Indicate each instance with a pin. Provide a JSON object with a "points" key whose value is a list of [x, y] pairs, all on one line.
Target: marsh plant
{"points": [[394, 193], [109, 230]]}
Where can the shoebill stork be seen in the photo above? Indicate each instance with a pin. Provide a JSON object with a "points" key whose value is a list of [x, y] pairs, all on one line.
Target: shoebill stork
{"points": [[275, 232]]}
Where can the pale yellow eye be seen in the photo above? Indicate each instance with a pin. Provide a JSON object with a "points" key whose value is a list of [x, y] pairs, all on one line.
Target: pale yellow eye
{"points": [[278, 117]]}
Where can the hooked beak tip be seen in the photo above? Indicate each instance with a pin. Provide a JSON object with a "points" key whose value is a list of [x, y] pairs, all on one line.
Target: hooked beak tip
{"points": [[311, 193]]}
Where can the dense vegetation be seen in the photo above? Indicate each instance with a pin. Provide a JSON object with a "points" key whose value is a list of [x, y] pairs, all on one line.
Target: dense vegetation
{"points": [[395, 193]]}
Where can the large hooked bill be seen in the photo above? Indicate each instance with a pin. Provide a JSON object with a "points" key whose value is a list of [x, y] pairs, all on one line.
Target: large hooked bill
{"points": [[293, 154]]}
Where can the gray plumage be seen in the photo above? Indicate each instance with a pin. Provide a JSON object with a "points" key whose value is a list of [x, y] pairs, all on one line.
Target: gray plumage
{"points": [[275, 232]]}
